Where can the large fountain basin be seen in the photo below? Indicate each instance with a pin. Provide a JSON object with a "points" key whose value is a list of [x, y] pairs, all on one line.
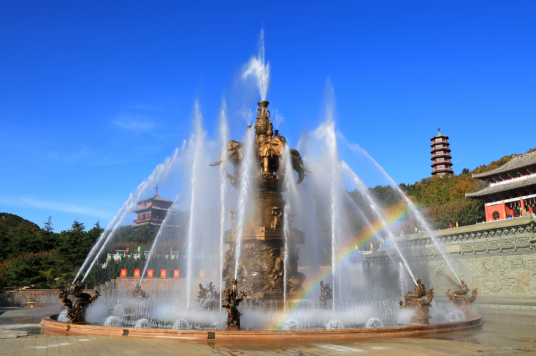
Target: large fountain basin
{"points": [[50, 324]]}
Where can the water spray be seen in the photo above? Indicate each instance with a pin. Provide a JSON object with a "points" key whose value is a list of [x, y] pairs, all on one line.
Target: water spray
{"points": [[378, 214]]}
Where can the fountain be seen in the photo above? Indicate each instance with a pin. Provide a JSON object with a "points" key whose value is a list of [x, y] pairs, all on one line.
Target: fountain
{"points": [[258, 258]]}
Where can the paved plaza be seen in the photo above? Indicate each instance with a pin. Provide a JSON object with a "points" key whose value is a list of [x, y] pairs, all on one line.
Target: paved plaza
{"points": [[501, 334]]}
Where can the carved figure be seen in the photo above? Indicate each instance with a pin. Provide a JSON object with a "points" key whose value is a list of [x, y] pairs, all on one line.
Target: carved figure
{"points": [[271, 154], [421, 307], [252, 288], [212, 292], [276, 264], [228, 264], [279, 265], [457, 297], [326, 293], [295, 281], [232, 154], [201, 294], [297, 165], [276, 217], [76, 312], [231, 302]]}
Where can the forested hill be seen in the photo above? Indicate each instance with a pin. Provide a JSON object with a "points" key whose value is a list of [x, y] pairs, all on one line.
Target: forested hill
{"points": [[17, 220], [31, 256]]}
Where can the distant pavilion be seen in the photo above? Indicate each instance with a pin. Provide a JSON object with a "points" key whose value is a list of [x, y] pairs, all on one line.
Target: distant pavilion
{"points": [[441, 163], [512, 188], [152, 211]]}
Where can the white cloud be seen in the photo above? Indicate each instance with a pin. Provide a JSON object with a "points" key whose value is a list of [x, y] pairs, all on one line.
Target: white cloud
{"points": [[135, 122], [28, 202], [72, 157]]}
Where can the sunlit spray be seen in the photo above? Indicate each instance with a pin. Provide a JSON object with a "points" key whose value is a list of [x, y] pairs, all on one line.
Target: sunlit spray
{"points": [[414, 209], [371, 228], [378, 212], [197, 142], [326, 133], [259, 69], [245, 182], [224, 137], [290, 186], [102, 237]]}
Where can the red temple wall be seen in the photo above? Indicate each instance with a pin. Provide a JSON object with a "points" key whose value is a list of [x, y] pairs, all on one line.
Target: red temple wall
{"points": [[498, 208]]}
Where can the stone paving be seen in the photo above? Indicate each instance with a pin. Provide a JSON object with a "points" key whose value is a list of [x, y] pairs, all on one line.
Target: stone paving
{"points": [[500, 335]]}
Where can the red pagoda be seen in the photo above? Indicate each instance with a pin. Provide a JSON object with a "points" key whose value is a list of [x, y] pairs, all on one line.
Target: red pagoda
{"points": [[441, 163], [512, 188], [152, 211]]}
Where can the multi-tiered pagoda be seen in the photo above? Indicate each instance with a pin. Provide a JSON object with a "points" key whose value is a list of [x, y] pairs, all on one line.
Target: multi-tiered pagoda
{"points": [[441, 163], [152, 211], [512, 188]]}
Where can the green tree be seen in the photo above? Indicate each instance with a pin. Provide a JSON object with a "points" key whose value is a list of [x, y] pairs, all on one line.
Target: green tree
{"points": [[48, 224]]}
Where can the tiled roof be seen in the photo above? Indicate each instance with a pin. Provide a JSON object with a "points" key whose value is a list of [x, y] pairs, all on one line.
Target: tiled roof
{"points": [[527, 159], [497, 188], [439, 135], [147, 208], [157, 198]]}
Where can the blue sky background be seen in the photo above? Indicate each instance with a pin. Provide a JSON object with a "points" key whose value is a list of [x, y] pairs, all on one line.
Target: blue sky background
{"points": [[93, 95]]}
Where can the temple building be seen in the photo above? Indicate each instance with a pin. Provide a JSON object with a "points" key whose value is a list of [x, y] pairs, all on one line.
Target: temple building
{"points": [[441, 163], [512, 188], [152, 211]]}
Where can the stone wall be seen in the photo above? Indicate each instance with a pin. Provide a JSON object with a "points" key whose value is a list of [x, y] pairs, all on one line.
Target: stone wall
{"points": [[498, 258], [40, 295], [122, 286]]}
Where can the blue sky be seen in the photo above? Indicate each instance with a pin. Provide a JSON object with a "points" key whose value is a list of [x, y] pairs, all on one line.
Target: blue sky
{"points": [[93, 95]]}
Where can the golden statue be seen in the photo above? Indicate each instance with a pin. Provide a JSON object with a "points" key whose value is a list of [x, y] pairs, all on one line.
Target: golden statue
{"points": [[263, 241], [421, 307], [77, 312], [457, 297], [276, 217]]}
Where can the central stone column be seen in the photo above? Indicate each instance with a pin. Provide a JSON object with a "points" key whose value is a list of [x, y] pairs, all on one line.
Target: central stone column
{"points": [[261, 269]]}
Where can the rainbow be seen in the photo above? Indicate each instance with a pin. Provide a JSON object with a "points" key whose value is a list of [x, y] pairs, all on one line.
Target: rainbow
{"points": [[394, 219]]}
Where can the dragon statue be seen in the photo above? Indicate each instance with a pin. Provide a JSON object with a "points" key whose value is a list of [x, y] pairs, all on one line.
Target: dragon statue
{"points": [[421, 307], [76, 312], [457, 297]]}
